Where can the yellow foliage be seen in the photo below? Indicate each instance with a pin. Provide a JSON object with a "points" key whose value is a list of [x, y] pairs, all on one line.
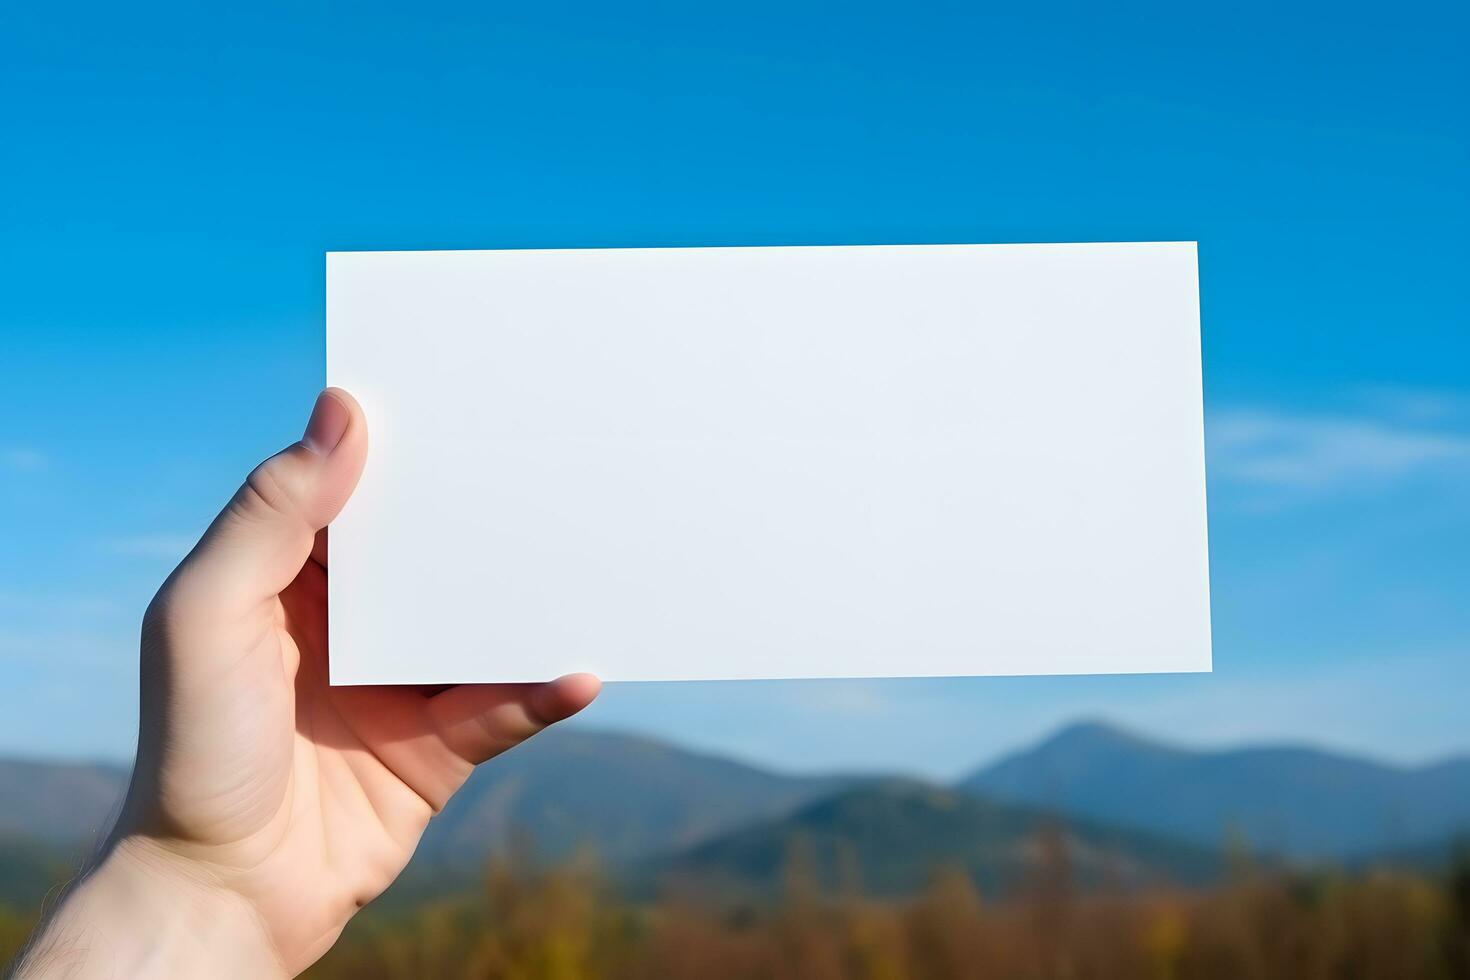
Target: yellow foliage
{"points": [[566, 924]]}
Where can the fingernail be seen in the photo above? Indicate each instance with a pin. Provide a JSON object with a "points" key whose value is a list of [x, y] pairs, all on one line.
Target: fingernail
{"points": [[329, 418]]}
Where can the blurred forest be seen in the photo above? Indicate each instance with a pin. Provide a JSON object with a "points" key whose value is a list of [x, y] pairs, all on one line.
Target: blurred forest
{"points": [[567, 922]]}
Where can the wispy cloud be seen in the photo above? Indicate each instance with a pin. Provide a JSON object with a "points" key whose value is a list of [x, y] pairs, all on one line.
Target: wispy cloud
{"points": [[1423, 405], [22, 459], [838, 698], [1298, 451], [171, 546]]}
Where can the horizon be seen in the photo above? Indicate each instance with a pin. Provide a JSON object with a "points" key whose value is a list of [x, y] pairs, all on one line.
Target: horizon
{"points": [[984, 761], [163, 332]]}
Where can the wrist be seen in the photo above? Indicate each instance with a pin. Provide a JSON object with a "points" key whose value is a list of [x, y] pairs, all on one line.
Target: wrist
{"points": [[143, 911]]}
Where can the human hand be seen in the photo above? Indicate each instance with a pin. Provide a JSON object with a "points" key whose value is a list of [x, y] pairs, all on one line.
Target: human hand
{"points": [[266, 807]]}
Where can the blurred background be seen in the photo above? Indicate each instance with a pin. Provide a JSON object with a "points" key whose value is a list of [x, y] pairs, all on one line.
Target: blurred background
{"points": [[173, 174]]}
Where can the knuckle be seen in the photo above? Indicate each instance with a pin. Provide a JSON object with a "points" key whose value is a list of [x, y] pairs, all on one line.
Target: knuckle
{"points": [[270, 489], [265, 489]]}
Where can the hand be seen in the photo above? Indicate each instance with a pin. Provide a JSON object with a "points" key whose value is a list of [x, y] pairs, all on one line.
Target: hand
{"points": [[266, 807]]}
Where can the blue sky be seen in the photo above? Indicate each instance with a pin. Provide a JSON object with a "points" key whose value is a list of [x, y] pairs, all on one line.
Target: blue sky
{"points": [[173, 174]]}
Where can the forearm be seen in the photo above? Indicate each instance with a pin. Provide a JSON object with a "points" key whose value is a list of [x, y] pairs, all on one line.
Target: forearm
{"points": [[143, 913]]}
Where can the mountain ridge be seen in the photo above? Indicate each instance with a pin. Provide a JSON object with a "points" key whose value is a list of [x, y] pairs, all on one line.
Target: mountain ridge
{"points": [[1294, 800], [890, 836], [631, 798], [623, 795]]}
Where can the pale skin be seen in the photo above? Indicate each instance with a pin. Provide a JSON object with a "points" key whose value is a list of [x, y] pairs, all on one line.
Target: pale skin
{"points": [[267, 807]]}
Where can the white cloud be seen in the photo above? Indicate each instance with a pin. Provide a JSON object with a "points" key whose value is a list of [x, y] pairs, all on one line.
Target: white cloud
{"points": [[1283, 450], [22, 459], [1441, 405]]}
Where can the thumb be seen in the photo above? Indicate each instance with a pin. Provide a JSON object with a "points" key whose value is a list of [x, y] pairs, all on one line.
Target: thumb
{"points": [[259, 542]]}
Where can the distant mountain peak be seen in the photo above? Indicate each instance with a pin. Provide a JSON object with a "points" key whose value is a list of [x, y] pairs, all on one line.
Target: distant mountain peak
{"points": [[1097, 730], [1292, 800], [1092, 745]]}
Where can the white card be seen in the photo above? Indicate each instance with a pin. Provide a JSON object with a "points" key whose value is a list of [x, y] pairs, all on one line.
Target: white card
{"points": [[700, 463]]}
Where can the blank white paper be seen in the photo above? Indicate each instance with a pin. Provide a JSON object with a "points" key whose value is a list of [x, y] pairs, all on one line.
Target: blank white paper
{"points": [[700, 463]]}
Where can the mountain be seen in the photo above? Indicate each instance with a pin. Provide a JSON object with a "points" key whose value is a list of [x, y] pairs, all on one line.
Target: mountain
{"points": [[891, 836], [622, 796], [1292, 801], [58, 803], [635, 801]]}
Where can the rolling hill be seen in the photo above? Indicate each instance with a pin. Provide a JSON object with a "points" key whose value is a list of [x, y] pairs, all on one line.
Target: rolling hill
{"points": [[1299, 802], [889, 837], [645, 806], [622, 796]]}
